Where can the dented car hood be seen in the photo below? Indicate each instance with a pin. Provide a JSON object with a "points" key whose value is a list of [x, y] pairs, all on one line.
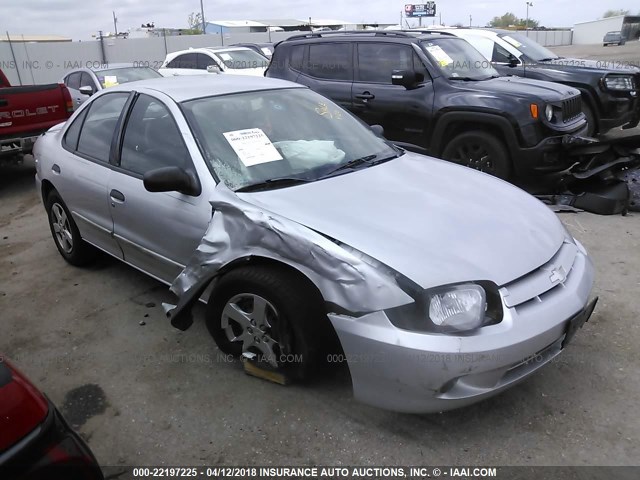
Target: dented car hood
{"points": [[432, 221]]}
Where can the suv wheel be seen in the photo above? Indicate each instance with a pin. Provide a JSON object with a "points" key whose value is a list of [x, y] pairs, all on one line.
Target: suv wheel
{"points": [[481, 151]]}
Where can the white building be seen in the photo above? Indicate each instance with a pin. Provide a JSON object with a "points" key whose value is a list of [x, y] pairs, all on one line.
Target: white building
{"points": [[593, 32]]}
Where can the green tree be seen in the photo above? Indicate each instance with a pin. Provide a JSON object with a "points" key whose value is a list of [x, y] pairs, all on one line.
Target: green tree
{"points": [[195, 24], [615, 13], [510, 20]]}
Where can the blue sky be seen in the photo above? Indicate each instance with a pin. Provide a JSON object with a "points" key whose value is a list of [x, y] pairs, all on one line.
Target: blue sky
{"points": [[78, 19]]}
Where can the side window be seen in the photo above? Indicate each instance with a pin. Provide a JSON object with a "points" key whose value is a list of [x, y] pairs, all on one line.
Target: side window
{"points": [[297, 56], [73, 132], [500, 54], [152, 139], [187, 60], [376, 61], [100, 125], [331, 61], [73, 81], [203, 61], [87, 81]]}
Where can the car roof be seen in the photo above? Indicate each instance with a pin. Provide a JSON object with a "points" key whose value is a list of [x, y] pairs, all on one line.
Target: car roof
{"points": [[209, 49], [373, 35], [106, 66], [182, 88]]}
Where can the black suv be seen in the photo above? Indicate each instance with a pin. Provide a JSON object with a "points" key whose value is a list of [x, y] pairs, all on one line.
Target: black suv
{"points": [[438, 92], [610, 88]]}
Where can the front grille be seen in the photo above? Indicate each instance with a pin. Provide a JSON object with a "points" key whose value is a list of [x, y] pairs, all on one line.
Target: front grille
{"points": [[537, 284], [571, 108]]}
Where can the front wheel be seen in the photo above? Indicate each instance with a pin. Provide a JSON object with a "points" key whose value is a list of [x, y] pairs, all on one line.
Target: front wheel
{"points": [[481, 151], [267, 311]]}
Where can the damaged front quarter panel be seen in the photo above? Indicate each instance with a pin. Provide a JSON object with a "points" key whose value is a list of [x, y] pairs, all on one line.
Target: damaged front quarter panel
{"points": [[239, 230]]}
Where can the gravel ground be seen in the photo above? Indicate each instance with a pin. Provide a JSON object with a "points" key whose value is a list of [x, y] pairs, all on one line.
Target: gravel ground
{"points": [[149, 394]]}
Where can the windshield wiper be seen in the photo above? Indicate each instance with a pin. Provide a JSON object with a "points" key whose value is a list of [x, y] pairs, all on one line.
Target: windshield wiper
{"points": [[350, 164], [362, 160], [273, 183], [549, 59], [465, 79]]}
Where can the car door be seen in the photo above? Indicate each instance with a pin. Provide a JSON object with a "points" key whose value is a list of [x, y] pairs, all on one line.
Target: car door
{"points": [[72, 81], [328, 70], [404, 113], [158, 232], [81, 174]]}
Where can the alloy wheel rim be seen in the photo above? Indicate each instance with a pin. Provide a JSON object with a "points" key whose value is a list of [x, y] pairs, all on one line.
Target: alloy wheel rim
{"points": [[474, 155], [61, 228], [250, 319]]}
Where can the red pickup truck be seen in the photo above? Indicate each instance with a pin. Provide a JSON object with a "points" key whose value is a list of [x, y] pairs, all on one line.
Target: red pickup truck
{"points": [[27, 112]]}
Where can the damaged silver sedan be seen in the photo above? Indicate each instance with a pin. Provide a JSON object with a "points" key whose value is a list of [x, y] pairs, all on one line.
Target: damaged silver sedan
{"points": [[296, 222]]}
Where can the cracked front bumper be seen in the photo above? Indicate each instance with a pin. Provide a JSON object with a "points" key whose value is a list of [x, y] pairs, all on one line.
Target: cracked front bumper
{"points": [[416, 372]]}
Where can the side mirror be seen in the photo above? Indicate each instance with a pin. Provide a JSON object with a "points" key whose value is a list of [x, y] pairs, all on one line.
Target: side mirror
{"points": [[513, 61], [213, 69], [87, 90], [171, 179], [378, 130], [407, 78]]}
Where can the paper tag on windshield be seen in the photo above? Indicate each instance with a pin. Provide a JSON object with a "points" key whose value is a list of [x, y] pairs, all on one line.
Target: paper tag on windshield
{"points": [[266, 51], [110, 81], [512, 41], [252, 146], [440, 55]]}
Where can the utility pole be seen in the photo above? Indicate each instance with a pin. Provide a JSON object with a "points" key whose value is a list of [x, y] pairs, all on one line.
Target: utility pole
{"points": [[115, 23], [202, 14], [470, 20], [529, 4]]}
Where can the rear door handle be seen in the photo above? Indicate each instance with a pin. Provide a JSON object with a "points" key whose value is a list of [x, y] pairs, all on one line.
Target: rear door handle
{"points": [[117, 195], [366, 96]]}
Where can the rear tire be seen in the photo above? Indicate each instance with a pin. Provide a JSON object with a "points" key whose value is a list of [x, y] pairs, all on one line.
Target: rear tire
{"points": [[65, 233], [268, 311], [481, 151]]}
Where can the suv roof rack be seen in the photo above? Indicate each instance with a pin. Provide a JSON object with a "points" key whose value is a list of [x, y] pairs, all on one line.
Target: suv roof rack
{"points": [[429, 31], [373, 33]]}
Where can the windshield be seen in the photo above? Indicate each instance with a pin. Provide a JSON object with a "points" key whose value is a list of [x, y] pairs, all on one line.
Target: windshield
{"points": [[253, 137], [242, 59], [456, 58], [531, 49], [116, 76]]}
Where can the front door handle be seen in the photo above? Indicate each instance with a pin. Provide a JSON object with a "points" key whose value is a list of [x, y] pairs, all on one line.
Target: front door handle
{"points": [[366, 96], [117, 195]]}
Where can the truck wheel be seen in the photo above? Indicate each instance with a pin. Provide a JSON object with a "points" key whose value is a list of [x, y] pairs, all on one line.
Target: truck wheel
{"points": [[592, 125], [267, 311], [481, 151], [65, 233]]}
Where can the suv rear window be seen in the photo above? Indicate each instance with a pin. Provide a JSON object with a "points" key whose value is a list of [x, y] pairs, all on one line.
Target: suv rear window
{"points": [[331, 61]]}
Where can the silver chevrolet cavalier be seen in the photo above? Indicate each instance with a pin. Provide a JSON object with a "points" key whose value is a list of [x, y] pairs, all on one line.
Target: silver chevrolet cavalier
{"points": [[299, 225]]}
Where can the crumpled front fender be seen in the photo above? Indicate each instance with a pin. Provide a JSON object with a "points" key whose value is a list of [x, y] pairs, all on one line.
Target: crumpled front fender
{"points": [[239, 229]]}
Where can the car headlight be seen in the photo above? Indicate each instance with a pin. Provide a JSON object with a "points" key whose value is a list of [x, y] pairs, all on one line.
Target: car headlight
{"points": [[450, 309], [548, 112], [620, 83], [460, 307]]}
